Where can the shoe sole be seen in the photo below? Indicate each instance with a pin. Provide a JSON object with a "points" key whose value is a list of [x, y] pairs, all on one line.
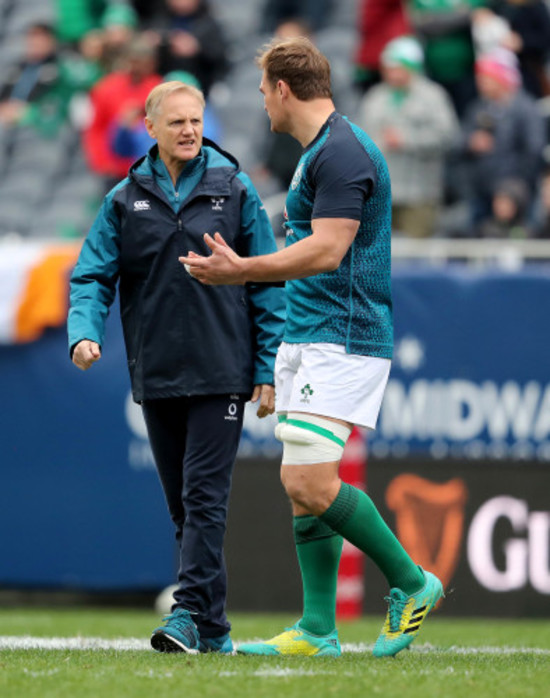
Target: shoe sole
{"points": [[161, 642], [210, 650], [247, 653], [324, 652]]}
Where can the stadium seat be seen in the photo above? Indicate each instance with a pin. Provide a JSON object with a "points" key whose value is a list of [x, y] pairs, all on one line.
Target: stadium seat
{"points": [[26, 12]]}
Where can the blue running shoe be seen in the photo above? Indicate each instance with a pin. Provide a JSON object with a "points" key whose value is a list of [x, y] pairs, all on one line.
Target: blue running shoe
{"points": [[221, 644], [178, 634], [295, 642], [406, 615]]}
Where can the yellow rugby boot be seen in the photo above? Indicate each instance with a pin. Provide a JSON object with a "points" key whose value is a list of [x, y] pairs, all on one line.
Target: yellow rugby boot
{"points": [[295, 642]]}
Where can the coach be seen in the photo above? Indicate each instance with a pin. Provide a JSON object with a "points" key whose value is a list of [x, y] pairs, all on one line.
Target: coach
{"points": [[195, 353]]}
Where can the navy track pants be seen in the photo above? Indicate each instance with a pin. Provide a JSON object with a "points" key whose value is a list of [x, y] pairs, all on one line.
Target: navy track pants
{"points": [[194, 442]]}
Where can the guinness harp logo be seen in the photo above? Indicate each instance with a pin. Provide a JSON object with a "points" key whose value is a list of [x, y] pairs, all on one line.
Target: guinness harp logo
{"points": [[430, 521]]}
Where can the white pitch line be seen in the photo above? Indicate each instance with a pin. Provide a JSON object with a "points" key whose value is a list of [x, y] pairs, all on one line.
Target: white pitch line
{"points": [[27, 642], [455, 649]]}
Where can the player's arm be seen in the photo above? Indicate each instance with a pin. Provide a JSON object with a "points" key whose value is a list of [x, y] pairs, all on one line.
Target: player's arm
{"points": [[322, 251], [343, 177]]}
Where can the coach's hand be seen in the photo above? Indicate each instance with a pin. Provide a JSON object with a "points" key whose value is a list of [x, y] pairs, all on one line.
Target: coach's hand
{"points": [[266, 395], [86, 353]]}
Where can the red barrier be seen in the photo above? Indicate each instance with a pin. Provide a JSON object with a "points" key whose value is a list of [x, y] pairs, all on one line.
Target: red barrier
{"points": [[351, 576]]}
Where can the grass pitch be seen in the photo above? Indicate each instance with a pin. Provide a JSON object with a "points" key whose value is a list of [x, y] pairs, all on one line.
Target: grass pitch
{"points": [[450, 659]]}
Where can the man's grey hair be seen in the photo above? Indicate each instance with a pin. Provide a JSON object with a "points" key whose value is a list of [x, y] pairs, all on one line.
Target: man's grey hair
{"points": [[159, 93]]}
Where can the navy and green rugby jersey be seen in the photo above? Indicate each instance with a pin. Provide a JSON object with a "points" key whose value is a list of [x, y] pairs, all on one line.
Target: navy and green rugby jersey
{"points": [[342, 174]]}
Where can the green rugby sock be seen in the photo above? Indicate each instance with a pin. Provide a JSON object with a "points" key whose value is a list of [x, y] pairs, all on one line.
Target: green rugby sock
{"points": [[354, 516], [318, 548]]}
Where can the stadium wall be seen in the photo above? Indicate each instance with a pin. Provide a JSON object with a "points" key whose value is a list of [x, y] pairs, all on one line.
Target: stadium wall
{"points": [[460, 463]]}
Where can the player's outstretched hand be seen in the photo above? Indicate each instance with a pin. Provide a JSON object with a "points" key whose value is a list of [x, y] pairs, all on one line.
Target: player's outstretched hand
{"points": [[223, 266], [266, 395], [86, 353]]}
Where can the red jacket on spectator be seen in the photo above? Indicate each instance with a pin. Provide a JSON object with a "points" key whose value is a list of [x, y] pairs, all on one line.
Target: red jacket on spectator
{"points": [[379, 22], [110, 97]]}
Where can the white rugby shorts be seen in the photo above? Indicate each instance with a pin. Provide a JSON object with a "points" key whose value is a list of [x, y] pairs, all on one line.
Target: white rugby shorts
{"points": [[323, 379]]}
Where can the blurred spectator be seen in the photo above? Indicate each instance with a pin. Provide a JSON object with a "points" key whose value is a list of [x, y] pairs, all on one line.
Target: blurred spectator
{"points": [[81, 68], [503, 134], [509, 214], [112, 96], [529, 21], [543, 218], [30, 79], [119, 24], [445, 29], [314, 13], [90, 49], [413, 122], [130, 138], [75, 18], [78, 71], [190, 39], [489, 31], [379, 22], [39, 91]]}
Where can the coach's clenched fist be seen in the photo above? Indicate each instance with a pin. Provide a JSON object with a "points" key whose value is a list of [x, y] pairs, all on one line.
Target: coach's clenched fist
{"points": [[86, 353]]}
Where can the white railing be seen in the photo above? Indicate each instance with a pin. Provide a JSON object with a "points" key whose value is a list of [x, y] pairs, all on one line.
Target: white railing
{"points": [[504, 253], [509, 254]]}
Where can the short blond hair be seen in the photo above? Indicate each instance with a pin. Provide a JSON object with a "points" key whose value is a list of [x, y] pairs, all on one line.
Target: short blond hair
{"points": [[159, 93], [299, 63]]}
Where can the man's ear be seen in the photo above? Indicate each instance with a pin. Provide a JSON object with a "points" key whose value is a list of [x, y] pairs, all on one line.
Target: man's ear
{"points": [[150, 126], [283, 89]]}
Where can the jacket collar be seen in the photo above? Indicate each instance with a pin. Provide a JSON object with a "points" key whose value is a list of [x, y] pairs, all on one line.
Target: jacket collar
{"points": [[221, 168]]}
